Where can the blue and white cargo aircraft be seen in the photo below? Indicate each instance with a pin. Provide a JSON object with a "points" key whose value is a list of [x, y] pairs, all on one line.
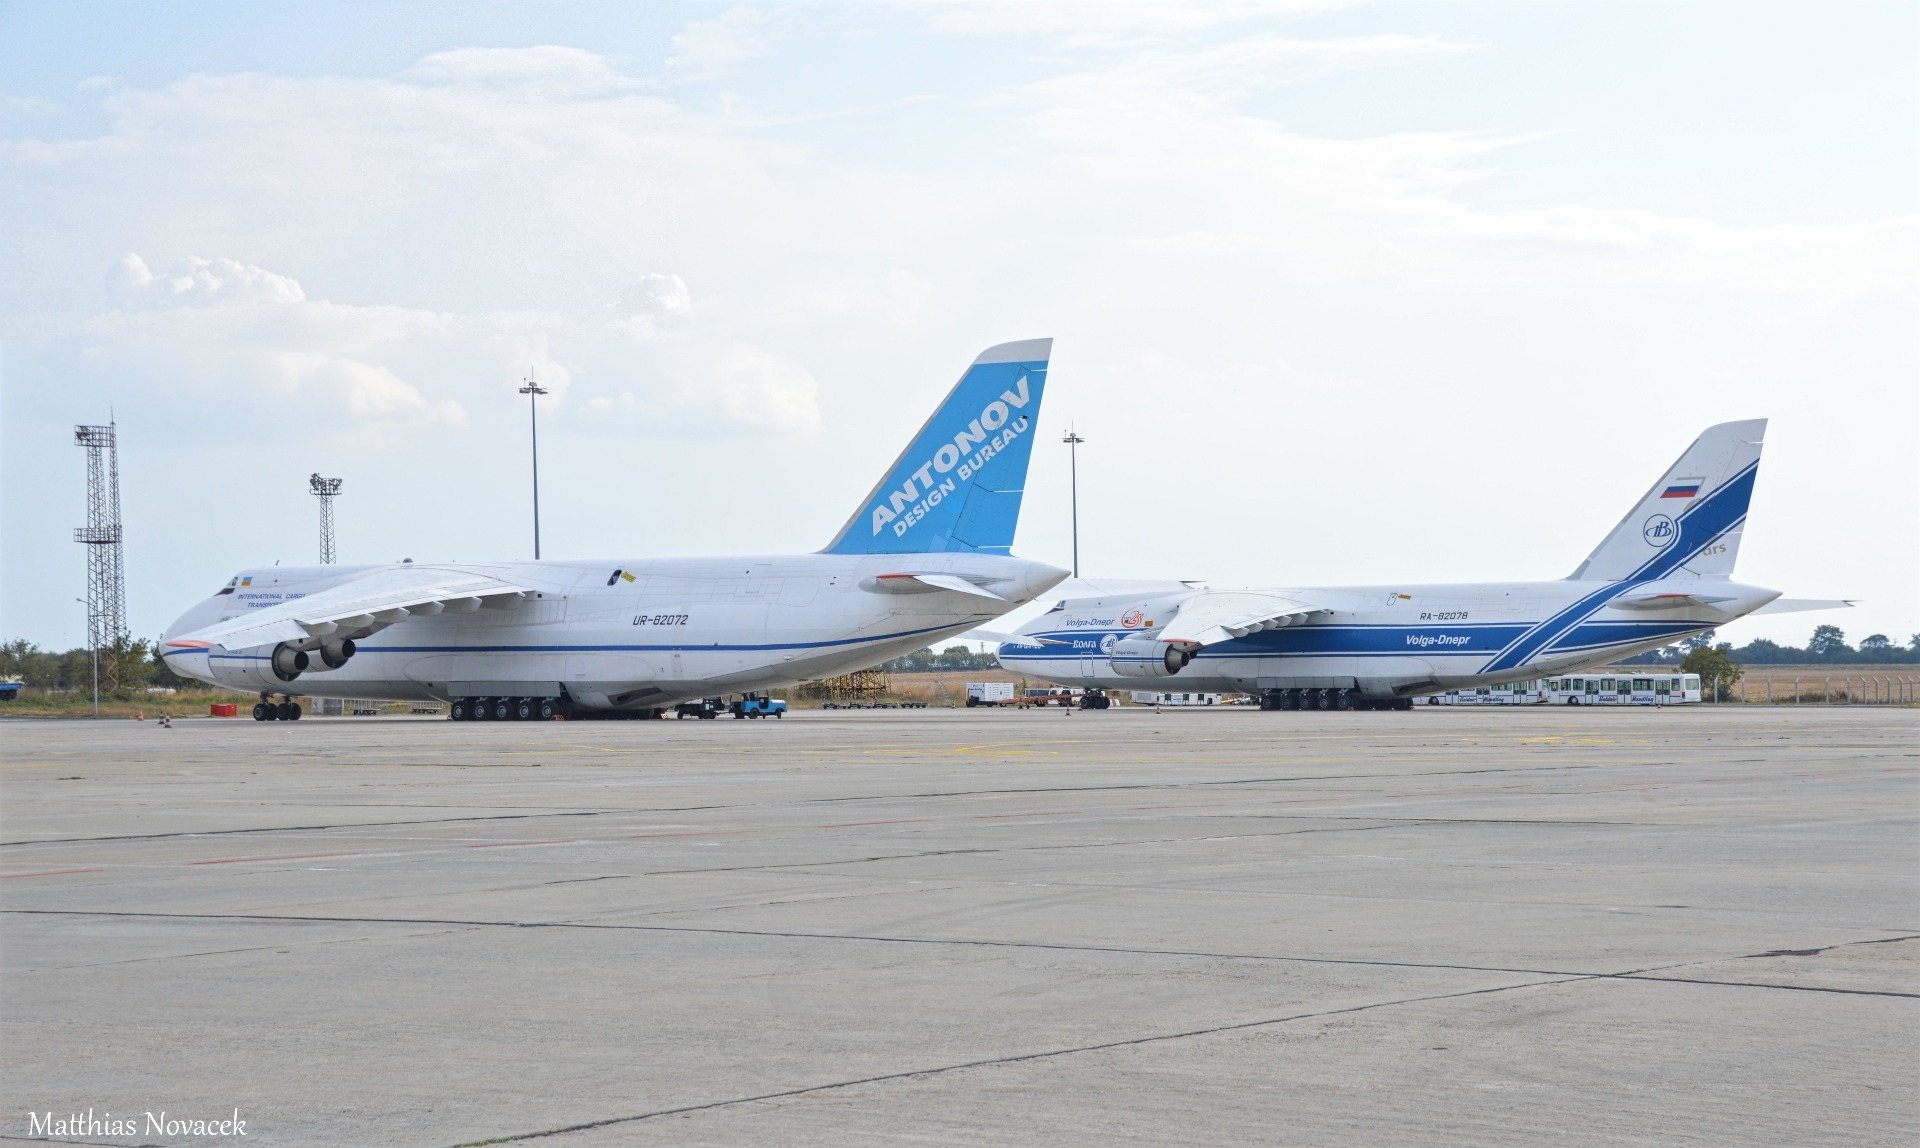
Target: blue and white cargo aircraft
{"points": [[1664, 573], [925, 556]]}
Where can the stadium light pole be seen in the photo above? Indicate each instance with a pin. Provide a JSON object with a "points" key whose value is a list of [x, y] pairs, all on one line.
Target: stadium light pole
{"points": [[1073, 442], [533, 391]]}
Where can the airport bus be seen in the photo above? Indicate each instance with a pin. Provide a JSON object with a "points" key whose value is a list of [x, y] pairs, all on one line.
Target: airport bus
{"points": [[1505, 694], [1629, 689], [1186, 698]]}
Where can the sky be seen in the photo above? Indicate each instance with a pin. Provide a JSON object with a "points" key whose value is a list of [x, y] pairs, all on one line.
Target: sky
{"points": [[1340, 293]]}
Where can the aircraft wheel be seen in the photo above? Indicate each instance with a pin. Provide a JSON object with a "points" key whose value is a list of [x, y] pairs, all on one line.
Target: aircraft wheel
{"points": [[293, 711], [503, 709], [523, 710], [458, 710], [1403, 704], [260, 712], [547, 709], [1341, 700]]}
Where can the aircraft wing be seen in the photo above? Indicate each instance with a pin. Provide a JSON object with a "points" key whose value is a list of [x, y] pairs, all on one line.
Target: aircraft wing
{"points": [[1213, 616], [360, 607]]}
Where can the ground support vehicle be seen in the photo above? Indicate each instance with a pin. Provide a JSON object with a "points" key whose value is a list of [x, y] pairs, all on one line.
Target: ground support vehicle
{"points": [[1168, 698], [752, 707], [705, 708], [1625, 690], [989, 693]]}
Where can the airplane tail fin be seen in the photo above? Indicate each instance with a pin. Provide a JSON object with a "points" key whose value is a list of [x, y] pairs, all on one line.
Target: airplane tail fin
{"points": [[958, 484], [1691, 520]]}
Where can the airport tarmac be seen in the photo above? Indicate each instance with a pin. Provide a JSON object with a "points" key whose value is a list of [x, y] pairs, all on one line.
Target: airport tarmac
{"points": [[1451, 926]]}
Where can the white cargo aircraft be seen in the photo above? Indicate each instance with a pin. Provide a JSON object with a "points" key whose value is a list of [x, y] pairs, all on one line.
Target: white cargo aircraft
{"points": [[925, 556], [1664, 573]]}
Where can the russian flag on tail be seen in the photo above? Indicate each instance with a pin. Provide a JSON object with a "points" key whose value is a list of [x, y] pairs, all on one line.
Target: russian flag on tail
{"points": [[1684, 488]]}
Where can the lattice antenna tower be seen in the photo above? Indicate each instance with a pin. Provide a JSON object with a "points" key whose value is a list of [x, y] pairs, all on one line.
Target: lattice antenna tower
{"points": [[106, 577], [325, 489]]}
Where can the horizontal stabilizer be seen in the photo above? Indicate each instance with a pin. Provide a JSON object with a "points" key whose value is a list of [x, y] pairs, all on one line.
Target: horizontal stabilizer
{"points": [[926, 583], [1668, 601], [1796, 605], [361, 606], [1010, 639]]}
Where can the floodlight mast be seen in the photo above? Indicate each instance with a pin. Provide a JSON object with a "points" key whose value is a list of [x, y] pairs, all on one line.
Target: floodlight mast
{"points": [[1073, 442], [106, 599], [325, 489], [533, 391]]}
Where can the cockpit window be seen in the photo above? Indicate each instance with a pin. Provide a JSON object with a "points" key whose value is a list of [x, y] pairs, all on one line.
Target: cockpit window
{"points": [[224, 590]]}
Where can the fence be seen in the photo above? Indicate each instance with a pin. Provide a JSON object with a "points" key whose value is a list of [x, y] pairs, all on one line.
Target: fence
{"points": [[1847, 689]]}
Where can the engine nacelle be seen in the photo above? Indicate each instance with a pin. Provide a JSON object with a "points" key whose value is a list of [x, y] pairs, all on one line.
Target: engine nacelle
{"points": [[1148, 658], [287, 662], [333, 655]]}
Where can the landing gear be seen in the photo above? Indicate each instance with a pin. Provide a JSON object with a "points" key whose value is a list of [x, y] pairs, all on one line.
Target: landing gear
{"points": [[286, 709], [1092, 700], [510, 709], [1328, 699]]}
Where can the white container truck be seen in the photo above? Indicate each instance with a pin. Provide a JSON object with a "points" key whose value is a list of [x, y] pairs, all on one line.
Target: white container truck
{"points": [[989, 693]]}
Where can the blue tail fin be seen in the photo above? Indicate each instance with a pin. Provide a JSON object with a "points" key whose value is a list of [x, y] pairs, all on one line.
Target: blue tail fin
{"points": [[957, 486]]}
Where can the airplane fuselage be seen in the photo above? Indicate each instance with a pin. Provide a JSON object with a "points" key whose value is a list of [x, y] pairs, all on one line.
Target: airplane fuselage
{"points": [[1385, 641], [629, 633]]}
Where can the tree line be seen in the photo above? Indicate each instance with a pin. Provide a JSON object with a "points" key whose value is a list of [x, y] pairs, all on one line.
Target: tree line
{"points": [[127, 666], [953, 658], [1827, 646]]}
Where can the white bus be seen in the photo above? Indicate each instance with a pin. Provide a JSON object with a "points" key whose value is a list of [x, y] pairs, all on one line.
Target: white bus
{"points": [[1153, 698], [1504, 694], [1616, 689]]}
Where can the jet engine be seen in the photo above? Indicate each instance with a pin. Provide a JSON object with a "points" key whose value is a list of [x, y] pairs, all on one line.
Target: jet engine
{"points": [[288, 663], [1148, 658], [333, 655]]}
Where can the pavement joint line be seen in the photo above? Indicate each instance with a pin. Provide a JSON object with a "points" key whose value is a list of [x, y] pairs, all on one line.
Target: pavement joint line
{"points": [[1015, 1058], [1204, 783], [1377, 822], [1640, 976]]}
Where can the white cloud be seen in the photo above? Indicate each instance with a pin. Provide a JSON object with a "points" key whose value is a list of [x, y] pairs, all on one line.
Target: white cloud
{"points": [[363, 391], [199, 282], [655, 295], [717, 45], [755, 388], [1079, 23], [552, 69]]}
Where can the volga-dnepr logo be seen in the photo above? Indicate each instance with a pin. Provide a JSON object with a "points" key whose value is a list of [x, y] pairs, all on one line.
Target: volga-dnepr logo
{"points": [[984, 437], [1658, 530]]}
